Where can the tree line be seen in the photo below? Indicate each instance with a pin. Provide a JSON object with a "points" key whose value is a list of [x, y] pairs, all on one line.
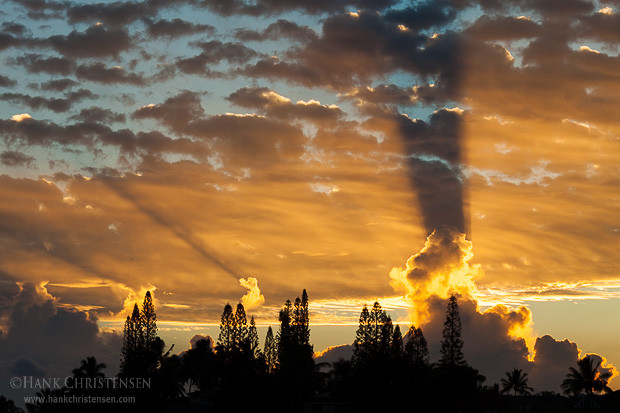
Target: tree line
{"points": [[387, 369]]}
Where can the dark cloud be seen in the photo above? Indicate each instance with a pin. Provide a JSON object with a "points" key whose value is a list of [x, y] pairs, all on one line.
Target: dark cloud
{"points": [[23, 366], [176, 28], [277, 106], [488, 345], [553, 358], [14, 158], [213, 53], [41, 132], [423, 15], [434, 157], [269, 7], [554, 9], [57, 105], [175, 113], [334, 353], [355, 49], [14, 28], [99, 72], [96, 41], [600, 26], [42, 9], [503, 28], [49, 340], [7, 81], [8, 40], [45, 340], [276, 31], [113, 14], [35, 63], [386, 94], [97, 114], [59, 85]]}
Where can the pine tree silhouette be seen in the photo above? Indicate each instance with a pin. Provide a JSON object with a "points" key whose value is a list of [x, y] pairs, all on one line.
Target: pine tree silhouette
{"points": [[416, 348], [252, 339], [132, 345], [226, 338], [451, 344], [152, 346], [239, 329], [270, 351]]}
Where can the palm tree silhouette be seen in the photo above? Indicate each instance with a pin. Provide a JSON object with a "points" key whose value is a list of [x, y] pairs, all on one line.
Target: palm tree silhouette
{"points": [[586, 378], [89, 368], [516, 381]]}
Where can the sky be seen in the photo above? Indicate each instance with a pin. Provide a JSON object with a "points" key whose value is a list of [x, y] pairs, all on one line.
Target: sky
{"points": [[217, 151]]}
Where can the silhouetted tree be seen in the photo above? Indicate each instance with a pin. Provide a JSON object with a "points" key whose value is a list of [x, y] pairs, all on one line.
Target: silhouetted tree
{"points": [[199, 365], [451, 344], [296, 374], [301, 319], [132, 345], [225, 340], [373, 336], [253, 339], [270, 351], [586, 377], [396, 345], [285, 338], [149, 320], [416, 348], [89, 368], [516, 382], [239, 329]]}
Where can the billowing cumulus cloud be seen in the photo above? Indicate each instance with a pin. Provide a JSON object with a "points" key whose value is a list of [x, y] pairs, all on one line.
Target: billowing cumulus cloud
{"points": [[253, 298], [42, 339]]}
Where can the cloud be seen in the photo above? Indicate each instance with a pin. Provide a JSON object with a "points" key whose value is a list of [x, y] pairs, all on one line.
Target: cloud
{"points": [[97, 114], [440, 268], [276, 31], [45, 340], [57, 105], [175, 28], [96, 41], [503, 28], [114, 14], [15, 28], [36, 63], [354, 49], [59, 85], [269, 7], [280, 107], [7, 81], [99, 72], [253, 298], [13, 158], [334, 353], [175, 112], [214, 52]]}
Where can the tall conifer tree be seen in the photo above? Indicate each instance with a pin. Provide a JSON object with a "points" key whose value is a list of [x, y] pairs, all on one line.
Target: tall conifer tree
{"points": [[132, 344], [226, 338], [252, 339], [451, 344], [416, 348], [240, 328], [270, 351]]}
